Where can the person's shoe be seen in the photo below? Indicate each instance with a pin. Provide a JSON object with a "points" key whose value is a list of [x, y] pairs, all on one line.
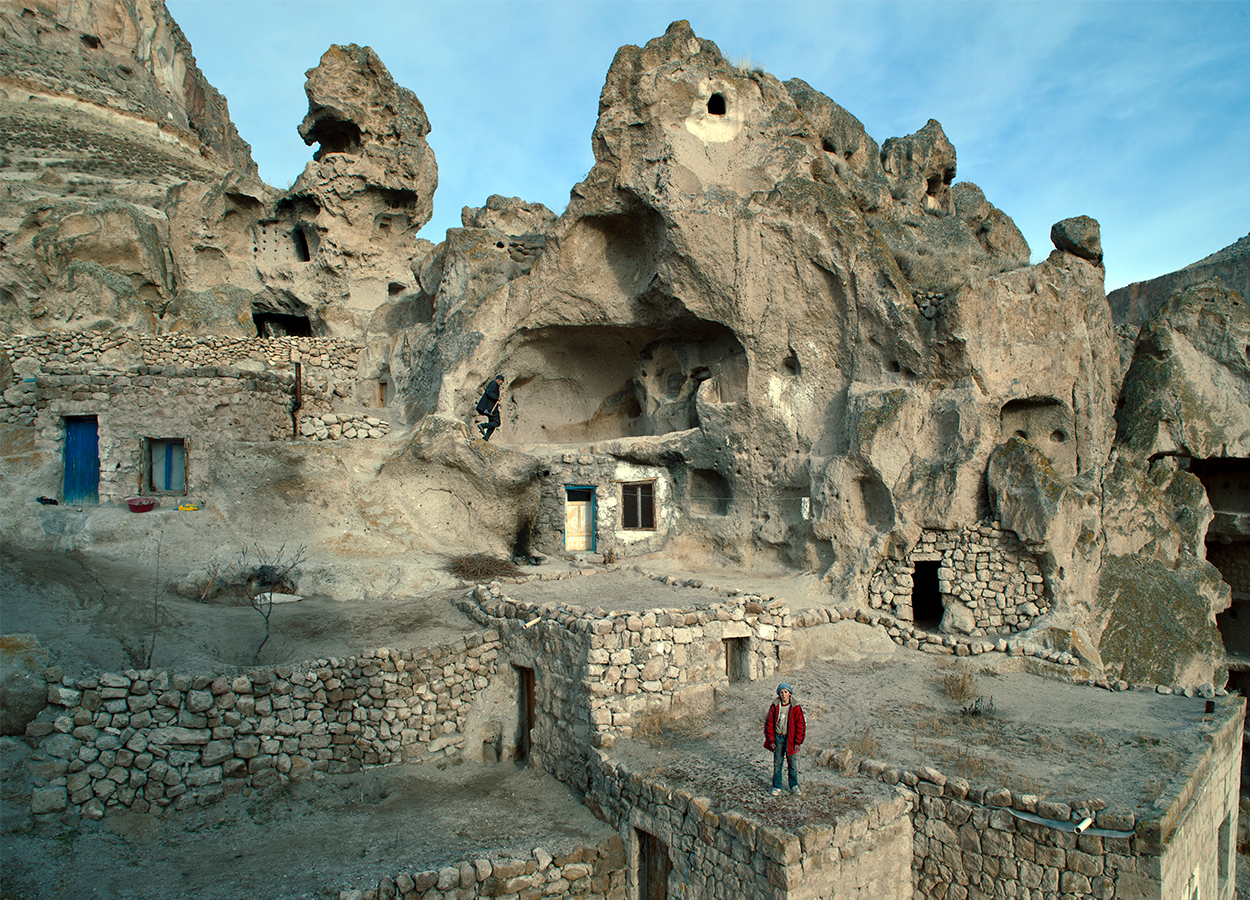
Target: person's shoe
{"points": [[795, 790], [776, 791]]}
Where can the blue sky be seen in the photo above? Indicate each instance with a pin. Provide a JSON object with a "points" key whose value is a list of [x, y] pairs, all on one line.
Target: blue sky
{"points": [[1137, 114]]}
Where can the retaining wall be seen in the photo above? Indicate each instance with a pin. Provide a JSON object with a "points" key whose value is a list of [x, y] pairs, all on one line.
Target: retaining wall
{"points": [[147, 741]]}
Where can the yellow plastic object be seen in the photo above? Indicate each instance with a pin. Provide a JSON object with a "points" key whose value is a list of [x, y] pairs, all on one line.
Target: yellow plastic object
{"points": [[188, 507]]}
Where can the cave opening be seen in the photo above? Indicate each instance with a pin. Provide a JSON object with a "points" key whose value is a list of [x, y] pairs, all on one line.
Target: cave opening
{"points": [[335, 136], [716, 105], [926, 597], [272, 324], [302, 253]]}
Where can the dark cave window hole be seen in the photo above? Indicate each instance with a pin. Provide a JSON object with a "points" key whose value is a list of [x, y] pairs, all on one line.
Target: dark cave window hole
{"points": [[271, 324], [394, 288], [335, 136], [790, 365], [828, 147], [1058, 436], [90, 41], [894, 366], [301, 245], [716, 105], [926, 598]]}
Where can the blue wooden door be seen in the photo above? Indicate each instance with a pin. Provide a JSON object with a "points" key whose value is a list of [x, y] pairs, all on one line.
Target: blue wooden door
{"points": [[82, 461]]}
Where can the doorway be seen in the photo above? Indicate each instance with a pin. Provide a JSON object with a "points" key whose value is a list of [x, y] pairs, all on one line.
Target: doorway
{"points": [[82, 461], [525, 711], [579, 518], [926, 597], [654, 867], [738, 659]]}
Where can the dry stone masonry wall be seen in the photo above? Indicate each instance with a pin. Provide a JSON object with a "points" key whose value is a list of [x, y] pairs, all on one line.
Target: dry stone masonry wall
{"points": [[590, 873], [721, 854], [147, 741], [984, 572]]}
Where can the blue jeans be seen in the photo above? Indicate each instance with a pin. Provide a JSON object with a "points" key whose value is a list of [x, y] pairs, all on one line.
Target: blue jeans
{"points": [[779, 761]]}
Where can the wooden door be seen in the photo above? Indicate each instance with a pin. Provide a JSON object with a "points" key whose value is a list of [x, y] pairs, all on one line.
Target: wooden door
{"points": [[82, 461], [579, 519]]}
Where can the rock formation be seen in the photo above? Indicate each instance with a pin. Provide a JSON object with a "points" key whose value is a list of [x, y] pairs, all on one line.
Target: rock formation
{"points": [[828, 354]]}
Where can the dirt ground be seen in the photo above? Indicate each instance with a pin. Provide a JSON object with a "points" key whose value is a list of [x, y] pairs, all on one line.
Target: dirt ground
{"points": [[860, 691]]}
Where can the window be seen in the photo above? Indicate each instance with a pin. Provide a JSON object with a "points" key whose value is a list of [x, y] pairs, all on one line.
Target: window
{"points": [[638, 505], [165, 466]]}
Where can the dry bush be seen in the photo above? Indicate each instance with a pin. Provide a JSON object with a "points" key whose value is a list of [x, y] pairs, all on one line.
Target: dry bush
{"points": [[958, 761], [960, 687], [481, 567], [864, 745]]}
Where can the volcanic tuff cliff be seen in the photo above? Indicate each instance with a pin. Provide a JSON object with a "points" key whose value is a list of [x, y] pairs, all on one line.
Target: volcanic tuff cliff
{"points": [[832, 348]]}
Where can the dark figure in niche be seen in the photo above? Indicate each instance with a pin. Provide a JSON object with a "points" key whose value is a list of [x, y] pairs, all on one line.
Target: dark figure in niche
{"points": [[489, 406]]}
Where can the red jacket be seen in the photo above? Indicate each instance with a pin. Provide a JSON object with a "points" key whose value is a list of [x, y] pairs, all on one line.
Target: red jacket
{"points": [[796, 728]]}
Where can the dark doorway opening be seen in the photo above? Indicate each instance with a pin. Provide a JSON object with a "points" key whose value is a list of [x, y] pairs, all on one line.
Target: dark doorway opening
{"points": [[738, 659], [653, 867], [716, 105], [926, 599], [270, 324], [525, 711], [301, 245]]}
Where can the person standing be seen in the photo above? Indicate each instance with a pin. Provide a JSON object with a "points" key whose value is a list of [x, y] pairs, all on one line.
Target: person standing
{"points": [[784, 731], [489, 406]]}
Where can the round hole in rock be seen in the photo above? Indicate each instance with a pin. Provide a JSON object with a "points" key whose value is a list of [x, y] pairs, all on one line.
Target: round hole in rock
{"points": [[716, 105], [499, 244], [894, 366], [1058, 436], [1023, 435]]}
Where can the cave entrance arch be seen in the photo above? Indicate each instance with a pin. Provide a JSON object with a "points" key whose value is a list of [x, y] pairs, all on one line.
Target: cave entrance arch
{"points": [[579, 518], [526, 706], [926, 597]]}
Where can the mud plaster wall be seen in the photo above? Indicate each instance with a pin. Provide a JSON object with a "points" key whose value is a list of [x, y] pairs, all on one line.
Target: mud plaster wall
{"points": [[717, 853], [202, 411], [146, 741], [606, 474], [983, 568]]}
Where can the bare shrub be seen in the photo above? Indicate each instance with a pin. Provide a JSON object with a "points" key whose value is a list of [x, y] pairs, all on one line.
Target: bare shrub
{"points": [[960, 687], [258, 575], [864, 744], [981, 706], [481, 567]]}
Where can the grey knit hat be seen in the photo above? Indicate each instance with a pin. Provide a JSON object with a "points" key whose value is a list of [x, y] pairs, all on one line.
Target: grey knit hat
{"points": [[784, 686]]}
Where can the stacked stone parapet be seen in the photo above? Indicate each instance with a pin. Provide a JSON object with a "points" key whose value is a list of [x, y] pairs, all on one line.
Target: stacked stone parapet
{"points": [[718, 852], [983, 567], [146, 741], [587, 873], [88, 348]]}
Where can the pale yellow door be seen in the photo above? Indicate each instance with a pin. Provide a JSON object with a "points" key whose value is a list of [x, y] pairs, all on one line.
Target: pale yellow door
{"points": [[577, 525]]}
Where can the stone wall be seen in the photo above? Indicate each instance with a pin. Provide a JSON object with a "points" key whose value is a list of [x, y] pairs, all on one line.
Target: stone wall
{"points": [[992, 842], [203, 407], [147, 741], [864, 853], [606, 474], [590, 873], [988, 580], [611, 668], [1233, 561]]}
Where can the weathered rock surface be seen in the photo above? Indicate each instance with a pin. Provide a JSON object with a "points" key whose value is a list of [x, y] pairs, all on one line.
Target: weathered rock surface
{"points": [[1137, 303], [23, 687], [828, 347]]}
